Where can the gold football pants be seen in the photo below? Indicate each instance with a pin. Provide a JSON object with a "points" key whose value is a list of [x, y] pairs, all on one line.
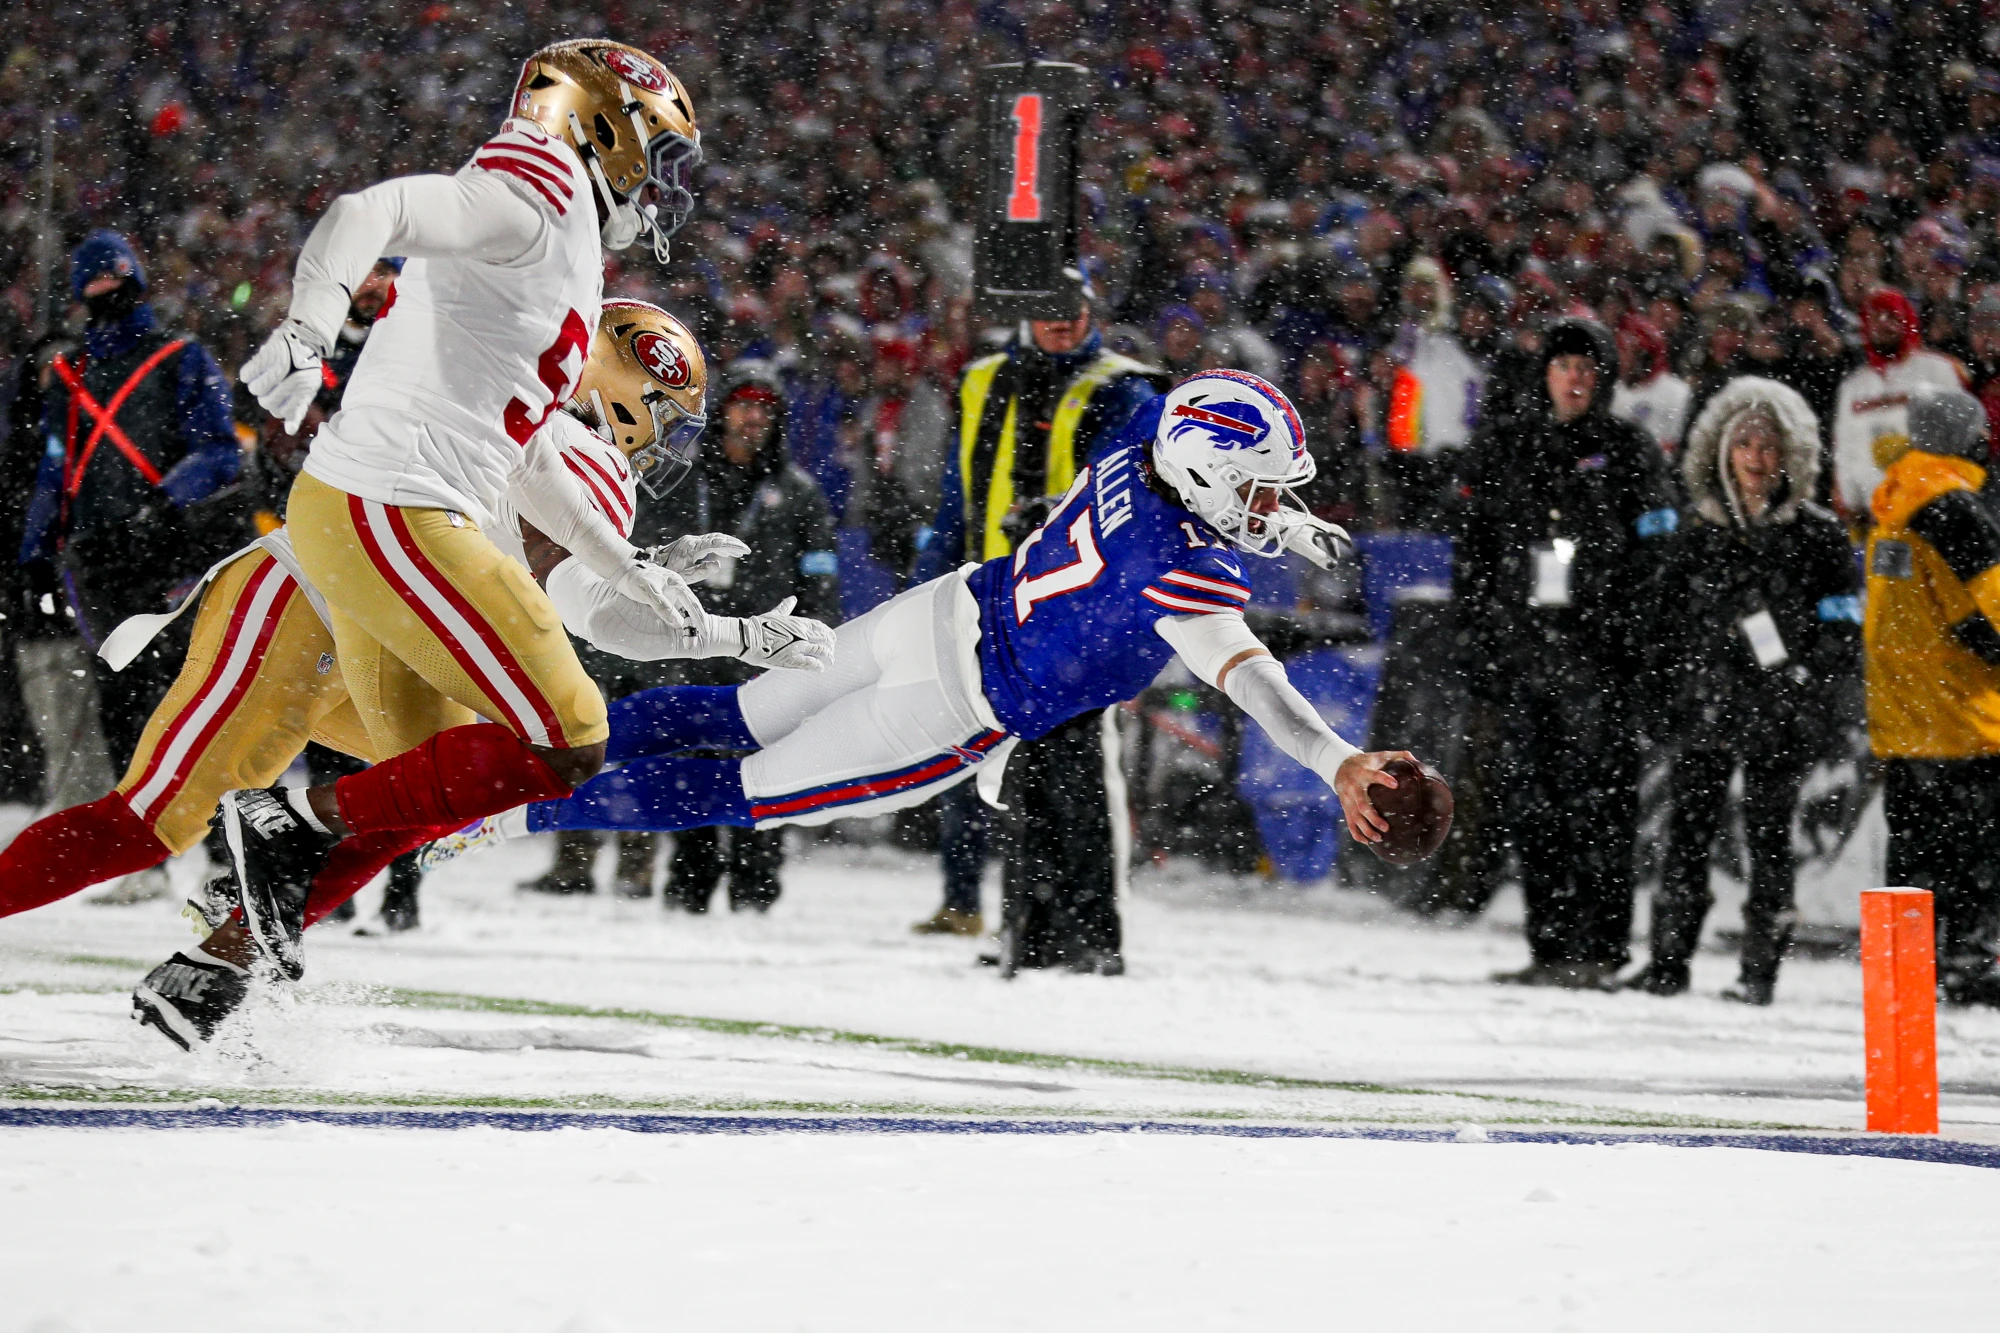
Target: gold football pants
{"points": [[434, 625], [259, 680]]}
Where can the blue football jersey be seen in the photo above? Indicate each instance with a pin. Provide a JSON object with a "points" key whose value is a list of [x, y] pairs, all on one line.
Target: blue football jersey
{"points": [[1066, 622]]}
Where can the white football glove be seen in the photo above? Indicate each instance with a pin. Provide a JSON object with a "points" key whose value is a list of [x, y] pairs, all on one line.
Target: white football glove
{"points": [[778, 638], [284, 374], [662, 591], [1325, 544], [697, 557]]}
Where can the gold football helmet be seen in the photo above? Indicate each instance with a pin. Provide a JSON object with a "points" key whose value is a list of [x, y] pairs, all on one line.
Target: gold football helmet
{"points": [[631, 122], [646, 382]]}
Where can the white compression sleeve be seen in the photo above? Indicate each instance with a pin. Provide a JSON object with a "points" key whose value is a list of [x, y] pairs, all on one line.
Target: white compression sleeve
{"points": [[594, 611], [1222, 646], [549, 496], [477, 215]]}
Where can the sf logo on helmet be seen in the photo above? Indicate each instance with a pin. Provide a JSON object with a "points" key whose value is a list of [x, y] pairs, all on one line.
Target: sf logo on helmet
{"points": [[662, 360], [636, 69], [1228, 424]]}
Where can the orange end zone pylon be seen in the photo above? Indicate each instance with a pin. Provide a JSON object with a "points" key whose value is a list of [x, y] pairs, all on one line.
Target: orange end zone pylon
{"points": [[1899, 1005]]}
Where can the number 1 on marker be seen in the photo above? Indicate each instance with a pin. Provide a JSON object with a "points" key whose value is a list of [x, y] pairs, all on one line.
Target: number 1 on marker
{"points": [[1024, 203]]}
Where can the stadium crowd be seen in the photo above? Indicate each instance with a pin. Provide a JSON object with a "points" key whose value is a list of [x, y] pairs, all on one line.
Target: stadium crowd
{"points": [[1404, 214]]}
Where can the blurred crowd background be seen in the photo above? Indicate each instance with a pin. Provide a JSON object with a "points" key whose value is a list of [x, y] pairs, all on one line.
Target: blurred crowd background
{"points": [[1310, 191], [1383, 207]]}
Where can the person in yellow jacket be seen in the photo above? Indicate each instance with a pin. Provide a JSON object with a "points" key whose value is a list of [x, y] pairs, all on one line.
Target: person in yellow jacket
{"points": [[1932, 639], [1030, 417]]}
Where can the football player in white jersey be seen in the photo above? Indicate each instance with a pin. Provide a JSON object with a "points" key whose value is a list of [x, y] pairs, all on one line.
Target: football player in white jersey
{"points": [[261, 675], [493, 315]]}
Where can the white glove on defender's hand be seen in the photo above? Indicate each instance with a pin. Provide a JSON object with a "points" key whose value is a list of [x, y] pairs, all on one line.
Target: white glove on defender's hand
{"points": [[778, 638], [284, 374], [661, 590], [1325, 544], [696, 557]]}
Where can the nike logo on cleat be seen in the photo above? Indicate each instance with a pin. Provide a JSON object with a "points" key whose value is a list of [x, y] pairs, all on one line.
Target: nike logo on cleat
{"points": [[178, 981], [268, 815]]}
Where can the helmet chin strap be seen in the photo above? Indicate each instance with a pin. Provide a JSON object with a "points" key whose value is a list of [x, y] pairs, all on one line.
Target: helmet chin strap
{"points": [[621, 220], [650, 225], [648, 222], [603, 429]]}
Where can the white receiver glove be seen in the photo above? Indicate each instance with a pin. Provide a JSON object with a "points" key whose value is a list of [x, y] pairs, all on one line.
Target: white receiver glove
{"points": [[697, 557], [660, 590], [1325, 544], [284, 374], [777, 638]]}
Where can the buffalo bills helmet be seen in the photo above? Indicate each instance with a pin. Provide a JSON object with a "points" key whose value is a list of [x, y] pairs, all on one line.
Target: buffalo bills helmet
{"points": [[1231, 446]]}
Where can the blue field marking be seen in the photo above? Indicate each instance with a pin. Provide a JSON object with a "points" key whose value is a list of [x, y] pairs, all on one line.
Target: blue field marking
{"points": [[1908, 1148]]}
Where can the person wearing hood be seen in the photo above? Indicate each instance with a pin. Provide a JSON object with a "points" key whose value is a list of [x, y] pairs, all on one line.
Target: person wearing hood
{"points": [[1649, 394], [1755, 649], [1030, 417], [1932, 637], [143, 433], [1557, 542], [1871, 414], [745, 484], [1178, 332], [1434, 395]]}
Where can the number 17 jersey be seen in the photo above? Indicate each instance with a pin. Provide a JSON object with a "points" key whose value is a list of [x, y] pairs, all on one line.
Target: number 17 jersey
{"points": [[1066, 623]]}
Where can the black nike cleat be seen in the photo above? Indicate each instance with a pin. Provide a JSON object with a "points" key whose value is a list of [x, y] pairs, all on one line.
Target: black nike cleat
{"points": [[188, 996], [274, 855]]}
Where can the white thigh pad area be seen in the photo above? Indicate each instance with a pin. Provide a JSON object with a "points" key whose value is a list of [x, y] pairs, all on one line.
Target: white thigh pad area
{"points": [[899, 717]]}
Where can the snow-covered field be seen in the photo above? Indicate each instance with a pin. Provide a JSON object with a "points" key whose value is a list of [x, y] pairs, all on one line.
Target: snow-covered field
{"points": [[311, 1228], [1245, 1006]]}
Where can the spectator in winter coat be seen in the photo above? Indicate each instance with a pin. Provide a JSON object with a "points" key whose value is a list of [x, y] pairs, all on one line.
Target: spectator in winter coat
{"points": [[1933, 643], [1871, 417], [823, 418], [57, 688], [1557, 543], [118, 508], [1756, 644], [895, 474], [1985, 367], [745, 485], [1819, 360], [1722, 352], [1433, 397], [1649, 394]]}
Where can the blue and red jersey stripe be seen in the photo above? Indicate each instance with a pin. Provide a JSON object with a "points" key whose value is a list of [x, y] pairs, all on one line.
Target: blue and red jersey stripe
{"points": [[852, 791]]}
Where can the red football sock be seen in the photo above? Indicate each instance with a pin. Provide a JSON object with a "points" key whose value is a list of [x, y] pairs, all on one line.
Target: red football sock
{"points": [[359, 859], [453, 778], [73, 849]]}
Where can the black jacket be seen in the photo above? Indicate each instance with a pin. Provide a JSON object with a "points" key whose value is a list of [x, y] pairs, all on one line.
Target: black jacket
{"points": [[1597, 484], [1794, 562], [777, 509]]}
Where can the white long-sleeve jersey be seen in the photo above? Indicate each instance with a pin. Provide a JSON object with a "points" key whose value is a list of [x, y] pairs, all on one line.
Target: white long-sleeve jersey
{"points": [[589, 606], [486, 331], [1221, 650], [591, 483]]}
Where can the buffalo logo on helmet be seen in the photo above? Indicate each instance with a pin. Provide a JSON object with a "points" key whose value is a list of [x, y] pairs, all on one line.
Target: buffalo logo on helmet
{"points": [[662, 360], [636, 69], [1227, 424]]}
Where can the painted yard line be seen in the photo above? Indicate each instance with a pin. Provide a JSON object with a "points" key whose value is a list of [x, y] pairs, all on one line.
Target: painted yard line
{"points": [[1901, 1147], [449, 1001], [948, 1050], [217, 1098]]}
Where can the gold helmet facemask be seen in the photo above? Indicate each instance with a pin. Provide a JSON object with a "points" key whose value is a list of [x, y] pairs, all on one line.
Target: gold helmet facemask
{"points": [[646, 382], [631, 122]]}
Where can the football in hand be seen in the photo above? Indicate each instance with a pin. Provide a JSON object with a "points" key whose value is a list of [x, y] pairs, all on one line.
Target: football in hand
{"points": [[1418, 810]]}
